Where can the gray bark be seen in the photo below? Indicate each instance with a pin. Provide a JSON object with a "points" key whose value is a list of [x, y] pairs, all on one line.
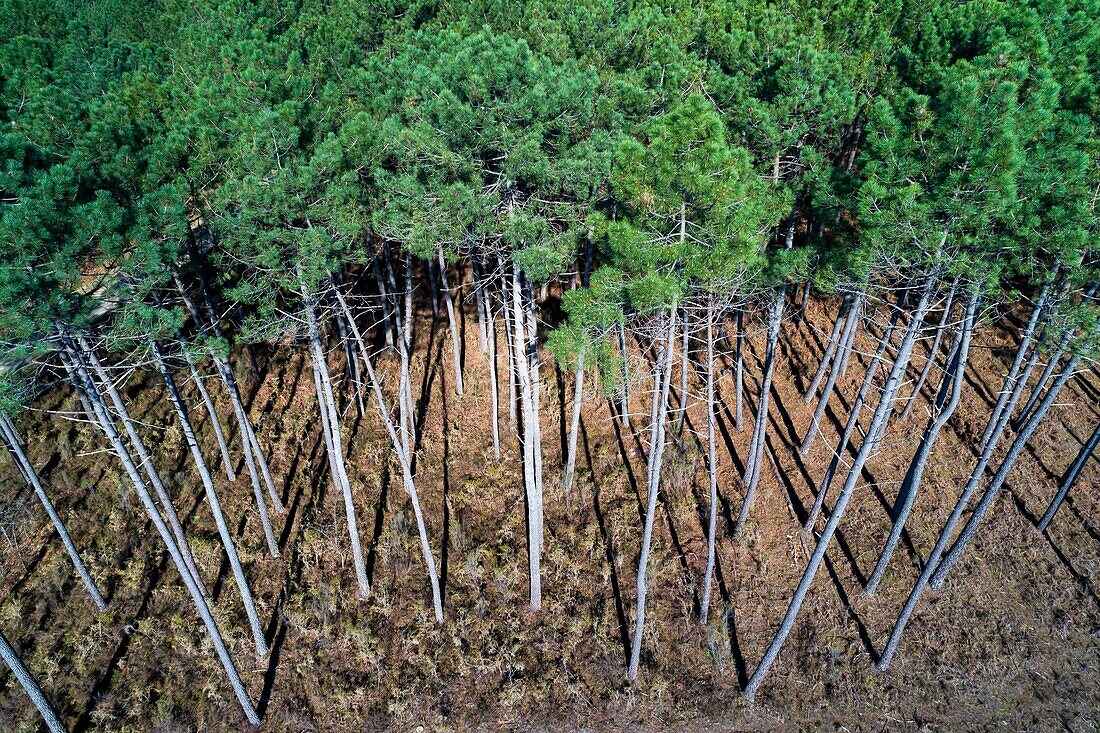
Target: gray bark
{"points": [[327, 402], [874, 433], [850, 426], [815, 421], [760, 429], [995, 485], [830, 349], [574, 425], [403, 458], [215, 421], [197, 595], [712, 471], [662, 376], [29, 472], [30, 686], [212, 499], [456, 345], [531, 485], [953, 381], [931, 361], [1070, 478], [739, 368]]}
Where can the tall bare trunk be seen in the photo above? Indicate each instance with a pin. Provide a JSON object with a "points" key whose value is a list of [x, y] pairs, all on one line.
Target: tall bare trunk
{"points": [[712, 471], [526, 390], [456, 343], [30, 686], [662, 376]]}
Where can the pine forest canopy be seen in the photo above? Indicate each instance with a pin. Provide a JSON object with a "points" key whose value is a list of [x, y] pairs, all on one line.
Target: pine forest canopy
{"points": [[631, 204]]}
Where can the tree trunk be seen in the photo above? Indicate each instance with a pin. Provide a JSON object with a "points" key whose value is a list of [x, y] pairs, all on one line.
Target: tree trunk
{"points": [[327, 402], [211, 411], [844, 351], [30, 686], [145, 459], [1070, 478], [953, 381], [712, 471], [479, 297], [932, 351], [874, 432], [383, 295], [662, 376], [739, 368], [574, 425], [403, 459], [624, 388], [760, 429], [853, 421], [212, 498], [1048, 372], [193, 588], [997, 423], [830, 383], [509, 334], [29, 472], [494, 390], [830, 349], [536, 393], [995, 485], [456, 345], [534, 498], [685, 351]]}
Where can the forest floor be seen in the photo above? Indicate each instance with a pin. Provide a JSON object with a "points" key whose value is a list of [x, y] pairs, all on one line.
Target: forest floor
{"points": [[1012, 641]]}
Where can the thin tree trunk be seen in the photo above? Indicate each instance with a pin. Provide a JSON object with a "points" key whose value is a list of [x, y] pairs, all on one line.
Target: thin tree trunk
{"points": [[456, 346], [760, 429], [739, 368], [215, 421], [874, 432], [383, 295], [624, 394], [403, 458], [212, 499], [995, 485], [189, 580], [534, 499], [1048, 372], [830, 383], [932, 351], [1070, 478], [574, 425], [536, 395], [830, 349], [479, 297], [662, 376], [145, 459], [509, 333], [712, 471], [29, 472], [953, 382], [998, 421], [30, 686], [327, 402], [685, 350], [494, 390], [844, 351], [850, 426]]}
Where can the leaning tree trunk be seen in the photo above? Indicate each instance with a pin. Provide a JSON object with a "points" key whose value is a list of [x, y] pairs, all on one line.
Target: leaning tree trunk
{"points": [[624, 377], [520, 346], [402, 457], [760, 429], [830, 383], [29, 472], [197, 595], [146, 461], [850, 426], [536, 393], [712, 470], [662, 376], [456, 344], [494, 388], [997, 424], [1048, 372], [30, 686], [327, 402], [208, 403], [212, 499], [952, 381], [874, 433], [685, 348], [574, 425], [932, 351], [830, 349], [995, 485], [479, 298], [1070, 478], [739, 369]]}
